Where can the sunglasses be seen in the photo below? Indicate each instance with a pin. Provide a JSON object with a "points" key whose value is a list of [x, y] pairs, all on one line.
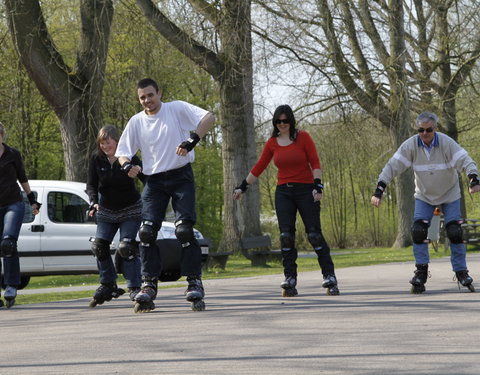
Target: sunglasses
{"points": [[422, 130], [278, 121]]}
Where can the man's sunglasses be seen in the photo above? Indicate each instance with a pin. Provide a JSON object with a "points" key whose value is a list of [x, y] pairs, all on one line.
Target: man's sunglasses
{"points": [[278, 121], [428, 130]]}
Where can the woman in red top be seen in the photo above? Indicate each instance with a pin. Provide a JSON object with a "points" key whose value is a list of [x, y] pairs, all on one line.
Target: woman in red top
{"points": [[299, 188]]}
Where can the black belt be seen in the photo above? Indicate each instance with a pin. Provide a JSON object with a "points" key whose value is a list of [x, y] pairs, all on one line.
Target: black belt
{"points": [[293, 184], [171, 171]]}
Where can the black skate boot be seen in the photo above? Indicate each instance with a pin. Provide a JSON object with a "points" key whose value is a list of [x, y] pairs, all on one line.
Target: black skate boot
{"points": [[195, 293], [419, 279], [464, 279], [289, 286], [133, 291], [330, 283], [145, 297], [10, 295], [104, 293]]}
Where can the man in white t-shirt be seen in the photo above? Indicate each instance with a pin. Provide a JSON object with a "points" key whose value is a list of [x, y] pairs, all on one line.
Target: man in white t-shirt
{"points": [[166, 134]]}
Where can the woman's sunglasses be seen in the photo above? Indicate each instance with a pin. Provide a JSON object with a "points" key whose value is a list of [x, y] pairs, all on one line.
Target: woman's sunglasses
{"points": [[278, 121]]}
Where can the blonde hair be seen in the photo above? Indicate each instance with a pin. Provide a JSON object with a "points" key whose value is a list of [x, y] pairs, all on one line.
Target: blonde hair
{"points": [[108, 131]]}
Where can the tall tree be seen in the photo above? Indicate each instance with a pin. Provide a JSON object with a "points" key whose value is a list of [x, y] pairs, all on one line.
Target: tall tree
{"points": [[75, 93], [362, 54], [226, 54]]}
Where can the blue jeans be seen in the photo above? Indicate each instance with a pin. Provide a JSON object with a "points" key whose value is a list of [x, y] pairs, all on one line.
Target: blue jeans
{"points": [[131, 267], [290, 198], [451, 212], [179, 186], [11, 218]]}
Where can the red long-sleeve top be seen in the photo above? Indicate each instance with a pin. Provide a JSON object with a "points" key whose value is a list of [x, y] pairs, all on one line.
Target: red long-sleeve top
{"points": [[294, 162]]}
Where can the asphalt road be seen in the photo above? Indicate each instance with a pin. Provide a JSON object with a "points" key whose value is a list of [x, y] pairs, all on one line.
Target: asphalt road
{"points": [[373, 327]]}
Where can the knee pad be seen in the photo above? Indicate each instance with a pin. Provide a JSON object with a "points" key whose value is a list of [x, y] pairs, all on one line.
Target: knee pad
{"points": [[8, 247], [454, 231], [128, 248], [148, 233], [420, 231], [184, 232], [317, 241], [287, 241], [101, 248]]}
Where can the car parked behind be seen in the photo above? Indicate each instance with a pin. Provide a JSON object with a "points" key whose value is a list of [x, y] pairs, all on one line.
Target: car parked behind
{"points": [[56, 241]]}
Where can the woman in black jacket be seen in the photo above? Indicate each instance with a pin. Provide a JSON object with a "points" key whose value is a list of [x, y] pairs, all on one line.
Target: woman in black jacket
{"points": [[117, 205], [12, 210]]}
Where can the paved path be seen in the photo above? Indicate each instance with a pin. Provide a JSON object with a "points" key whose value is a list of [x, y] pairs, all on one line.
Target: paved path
{"points": [[374, 327]]}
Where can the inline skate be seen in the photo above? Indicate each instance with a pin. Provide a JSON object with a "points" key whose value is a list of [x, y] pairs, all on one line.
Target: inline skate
{"points": [[419, 279], [10, 295], [104, 293], [289, 287], [330, 283], [195, 293], [464, 279], [145, 297]]}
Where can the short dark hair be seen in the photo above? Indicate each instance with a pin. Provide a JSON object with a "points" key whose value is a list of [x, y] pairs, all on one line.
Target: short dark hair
{"points": [[145, 82], [287, 111]]}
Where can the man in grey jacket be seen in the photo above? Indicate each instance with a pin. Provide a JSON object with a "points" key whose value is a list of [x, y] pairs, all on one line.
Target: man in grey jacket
{"points": [[436, 160]]}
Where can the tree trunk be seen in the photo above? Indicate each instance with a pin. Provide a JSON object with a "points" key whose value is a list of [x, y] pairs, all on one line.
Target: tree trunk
{"points": [[232, 69], [73, 94]]}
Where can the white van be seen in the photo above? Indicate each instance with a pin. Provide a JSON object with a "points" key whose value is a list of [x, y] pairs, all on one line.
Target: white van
{"points": [[56, 241]]}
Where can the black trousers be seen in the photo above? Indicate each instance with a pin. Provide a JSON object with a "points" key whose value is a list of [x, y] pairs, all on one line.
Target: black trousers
{"points": [[292, 198]]}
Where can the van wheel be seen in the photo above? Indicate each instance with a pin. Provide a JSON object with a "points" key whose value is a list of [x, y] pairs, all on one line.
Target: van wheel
{"points": [[24, 280]]}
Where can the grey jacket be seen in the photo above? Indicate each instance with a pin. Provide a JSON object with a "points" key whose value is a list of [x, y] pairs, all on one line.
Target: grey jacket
{"points": [[436, 177]]}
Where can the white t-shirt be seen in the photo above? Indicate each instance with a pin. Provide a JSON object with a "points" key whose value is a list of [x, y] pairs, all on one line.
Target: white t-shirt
{"points": [[157, 136]]}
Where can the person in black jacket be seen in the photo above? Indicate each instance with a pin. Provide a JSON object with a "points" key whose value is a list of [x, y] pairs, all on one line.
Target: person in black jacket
{"points": [[12, 210], [116, 203]]}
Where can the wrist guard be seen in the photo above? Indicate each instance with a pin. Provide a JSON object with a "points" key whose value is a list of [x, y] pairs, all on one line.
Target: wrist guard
{"points": [[243, 186], [191, 142], [127, 166], [380, 189], [318, 186], [473, 178], [32, 200]]}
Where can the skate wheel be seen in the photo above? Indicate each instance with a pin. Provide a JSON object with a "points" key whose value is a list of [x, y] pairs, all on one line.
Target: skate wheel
{"points": [[289, 292], [417, 289], [198, 305], [471, 288], [333, 291], [92, 304], [142, 307], [10, 303]]}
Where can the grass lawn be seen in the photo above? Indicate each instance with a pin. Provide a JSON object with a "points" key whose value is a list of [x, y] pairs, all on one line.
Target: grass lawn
{"points": [[237, 266]]}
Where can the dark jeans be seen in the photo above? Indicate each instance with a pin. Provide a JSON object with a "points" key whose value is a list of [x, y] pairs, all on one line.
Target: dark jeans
{"points": [[11, 217], [131, 267], [179, 186], [293, 197]]}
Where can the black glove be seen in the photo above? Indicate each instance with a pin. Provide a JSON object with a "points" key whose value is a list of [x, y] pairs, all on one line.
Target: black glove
{"points": [[318, 186], [191, 142], [243, 186], [32, 200], [473, 180], [380, 189], [92, 207]]}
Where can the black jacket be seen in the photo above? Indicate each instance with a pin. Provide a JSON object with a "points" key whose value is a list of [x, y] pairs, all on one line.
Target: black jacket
{"points": [[109, 186], [11, 170]]}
